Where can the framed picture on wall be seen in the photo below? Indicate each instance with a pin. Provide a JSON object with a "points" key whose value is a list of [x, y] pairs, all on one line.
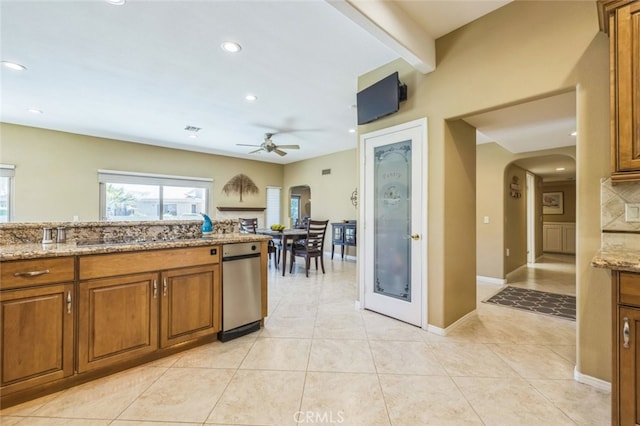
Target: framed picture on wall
{"points": [[552, 203]]}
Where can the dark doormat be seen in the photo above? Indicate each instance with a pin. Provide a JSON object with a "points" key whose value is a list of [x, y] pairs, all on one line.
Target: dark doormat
{"points": [[557, 305]]}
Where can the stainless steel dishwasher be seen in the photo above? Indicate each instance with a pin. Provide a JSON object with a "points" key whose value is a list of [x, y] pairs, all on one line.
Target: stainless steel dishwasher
{"points": [[241, 290]]}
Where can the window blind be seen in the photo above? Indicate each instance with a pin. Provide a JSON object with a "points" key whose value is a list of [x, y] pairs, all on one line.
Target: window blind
{"points": [[273, 205]]}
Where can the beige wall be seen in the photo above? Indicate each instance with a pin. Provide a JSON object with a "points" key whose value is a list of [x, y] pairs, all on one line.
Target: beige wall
{"points": [[520, 52], [568, 189], [56, 172]]}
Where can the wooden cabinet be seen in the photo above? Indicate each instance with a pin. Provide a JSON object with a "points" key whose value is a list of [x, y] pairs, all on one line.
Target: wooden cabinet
{"points": [[625, 394], [559, 237], [621, 19], [37, 312], [191, 304], [343, 234], [131, 304]]}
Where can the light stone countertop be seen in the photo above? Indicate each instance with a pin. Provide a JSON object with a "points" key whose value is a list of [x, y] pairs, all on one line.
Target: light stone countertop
{"points": [[619, 259], [35, 250]]}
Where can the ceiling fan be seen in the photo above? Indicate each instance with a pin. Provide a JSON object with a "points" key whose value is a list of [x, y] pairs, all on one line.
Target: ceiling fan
{"points": [[269, 146]]}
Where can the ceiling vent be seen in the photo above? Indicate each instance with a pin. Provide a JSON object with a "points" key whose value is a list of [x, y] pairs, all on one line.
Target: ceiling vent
{"points": [[326, 171], [193, 129]]}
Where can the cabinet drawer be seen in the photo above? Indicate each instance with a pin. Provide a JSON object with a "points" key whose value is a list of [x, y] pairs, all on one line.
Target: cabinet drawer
{"points": [[629, 289], [27, 273], [106, 265]]}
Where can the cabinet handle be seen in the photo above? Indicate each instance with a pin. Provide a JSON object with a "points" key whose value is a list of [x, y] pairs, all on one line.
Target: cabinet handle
{"points": [[31, 273], [155, 289], [164, 286], [626, 333], [69, 302]]}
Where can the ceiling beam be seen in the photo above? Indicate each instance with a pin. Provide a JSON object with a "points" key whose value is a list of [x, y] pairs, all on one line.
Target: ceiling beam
{"points": [[393, 27]]}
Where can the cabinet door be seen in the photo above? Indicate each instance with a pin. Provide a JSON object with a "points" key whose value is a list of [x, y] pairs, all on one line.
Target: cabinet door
{"points": [[337, 234], [629, 364], [552, 238], [37, 336], [625, 51], [569, 238], [118, 319], [191, 304], [350, 235]]}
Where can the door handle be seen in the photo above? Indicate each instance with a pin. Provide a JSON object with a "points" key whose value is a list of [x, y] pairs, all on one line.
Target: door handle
{"points": [[164, 286], [415, 237], [68, 302]]}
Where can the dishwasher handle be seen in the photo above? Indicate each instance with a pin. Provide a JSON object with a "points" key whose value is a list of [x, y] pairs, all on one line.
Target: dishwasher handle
{"points": [[240, 257]]}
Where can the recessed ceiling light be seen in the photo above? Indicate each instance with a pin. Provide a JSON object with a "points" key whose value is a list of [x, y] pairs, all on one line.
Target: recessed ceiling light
{"points": [[35, 111], [352, 130], [574, 133], [231, 47], [251, 98], [560, 169], [14, 66], [116, 2]]}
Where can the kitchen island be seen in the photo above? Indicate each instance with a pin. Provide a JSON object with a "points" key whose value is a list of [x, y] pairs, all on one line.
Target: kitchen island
{"points": [[74, 311]]}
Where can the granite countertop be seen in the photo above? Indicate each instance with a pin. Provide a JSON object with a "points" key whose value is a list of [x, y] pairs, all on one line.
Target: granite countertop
{"points": [[37, 250], [619, 259]]}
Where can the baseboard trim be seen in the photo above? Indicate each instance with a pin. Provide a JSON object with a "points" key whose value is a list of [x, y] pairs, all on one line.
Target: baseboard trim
{"points": [[491, 280], [591, 381], [444, 331], [515, 271]]}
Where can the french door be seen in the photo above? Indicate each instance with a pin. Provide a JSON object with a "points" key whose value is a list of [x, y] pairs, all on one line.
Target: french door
{"points": [[393, 178]]}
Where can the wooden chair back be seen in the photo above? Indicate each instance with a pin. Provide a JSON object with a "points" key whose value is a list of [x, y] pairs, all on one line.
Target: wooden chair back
{"points": [[248, 226]]}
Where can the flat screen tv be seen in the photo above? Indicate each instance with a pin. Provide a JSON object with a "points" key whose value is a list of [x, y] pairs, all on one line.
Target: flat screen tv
{"points": [[380, 99]]}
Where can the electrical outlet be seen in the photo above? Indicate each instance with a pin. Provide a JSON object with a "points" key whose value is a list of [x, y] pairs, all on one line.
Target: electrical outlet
{"points": [[507, 252], [486, 219]]}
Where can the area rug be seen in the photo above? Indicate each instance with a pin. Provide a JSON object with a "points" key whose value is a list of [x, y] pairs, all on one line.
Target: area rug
{"points": [[558, 305]]}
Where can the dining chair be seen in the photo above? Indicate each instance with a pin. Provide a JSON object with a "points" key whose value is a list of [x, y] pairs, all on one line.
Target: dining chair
{"points": [[249, 226], [310, 246]]}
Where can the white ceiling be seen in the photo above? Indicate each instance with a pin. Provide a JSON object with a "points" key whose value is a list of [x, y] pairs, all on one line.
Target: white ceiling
{"points": [[143, 71]]}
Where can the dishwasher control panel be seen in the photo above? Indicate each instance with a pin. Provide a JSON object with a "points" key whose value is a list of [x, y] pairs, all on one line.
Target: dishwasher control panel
{"points": [[240, 249]]}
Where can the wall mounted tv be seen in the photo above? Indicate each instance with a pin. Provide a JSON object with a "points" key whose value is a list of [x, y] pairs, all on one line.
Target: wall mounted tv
{"points": [[380, 99]]}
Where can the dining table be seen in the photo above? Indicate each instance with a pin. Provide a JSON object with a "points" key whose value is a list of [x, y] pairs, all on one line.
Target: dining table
{"points": [[286, 236]]}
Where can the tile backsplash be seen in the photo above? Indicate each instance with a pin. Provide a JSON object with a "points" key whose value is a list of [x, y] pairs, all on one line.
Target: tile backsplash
{"points": [[617, 232]]}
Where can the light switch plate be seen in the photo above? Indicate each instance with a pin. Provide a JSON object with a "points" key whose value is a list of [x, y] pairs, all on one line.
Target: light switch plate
{"points": [[632, 212]]}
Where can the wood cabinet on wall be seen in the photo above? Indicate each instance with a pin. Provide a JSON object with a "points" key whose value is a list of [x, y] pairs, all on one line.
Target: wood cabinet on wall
{"points": [[36, 311], [132, 304], [625, 391], [621, 20]]}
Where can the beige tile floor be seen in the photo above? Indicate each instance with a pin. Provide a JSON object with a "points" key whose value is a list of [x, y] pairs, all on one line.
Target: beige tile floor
{"points": [[320, 361]]}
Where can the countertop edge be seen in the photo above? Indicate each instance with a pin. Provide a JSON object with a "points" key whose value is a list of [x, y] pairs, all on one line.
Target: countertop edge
{"points": [[37, 251], [617, 260]]}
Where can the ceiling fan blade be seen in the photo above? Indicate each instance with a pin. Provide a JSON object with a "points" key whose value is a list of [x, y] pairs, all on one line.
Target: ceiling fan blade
{"points": [[289, 146], [257, 150], [245, 144], [279, 152]]}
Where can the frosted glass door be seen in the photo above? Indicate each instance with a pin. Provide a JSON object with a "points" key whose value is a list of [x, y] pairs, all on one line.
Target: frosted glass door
{"points": [[394, 218]]}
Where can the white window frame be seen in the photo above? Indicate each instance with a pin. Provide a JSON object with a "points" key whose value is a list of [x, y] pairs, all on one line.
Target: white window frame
{"points": [[274, 205], [135, 178], [9, 171]]}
